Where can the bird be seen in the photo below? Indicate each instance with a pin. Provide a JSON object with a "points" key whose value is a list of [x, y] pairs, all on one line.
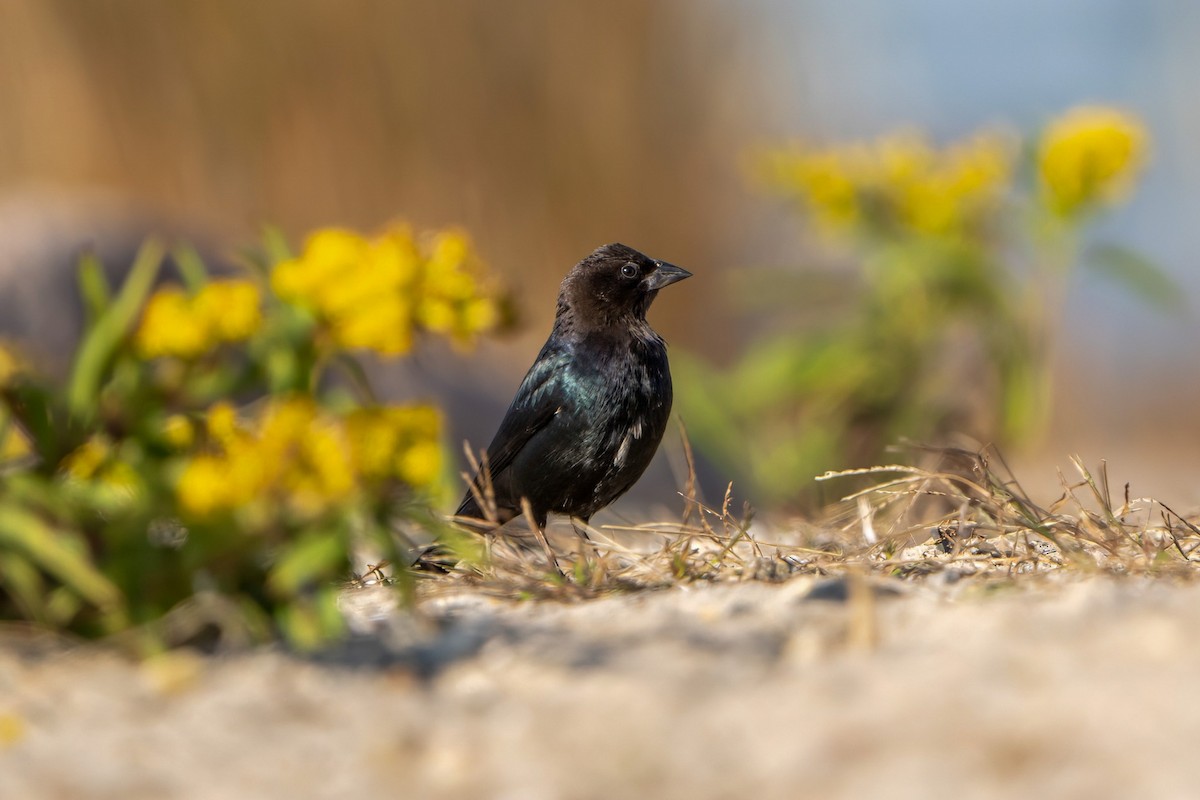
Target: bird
{"points": [[590, 413]]}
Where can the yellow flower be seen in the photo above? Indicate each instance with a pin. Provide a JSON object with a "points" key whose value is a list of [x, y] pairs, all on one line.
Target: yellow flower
{"points": [[480, 314], [383, 325], [178, 432], [898, 182], [824, 180], [85, 461], [420, 422], [121, 479], [451, 248], [373, 441], [221, 422], [177, 324], [236, 471], [203, 487], [420, 464], [1091, 156], [285, 421], [298, 459], [250, 471], [231, 309], [376, 294], [169, 327], [333, 250], [96, 463], [396, 441], [396, 255], [957, 193], [353, 286], [13, 442], [327, 459], [329, 256], [293, 281], [436, 314]]}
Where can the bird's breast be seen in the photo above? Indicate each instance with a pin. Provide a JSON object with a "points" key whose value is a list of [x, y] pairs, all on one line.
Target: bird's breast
{"points": [[603, 435], [631, 437]]}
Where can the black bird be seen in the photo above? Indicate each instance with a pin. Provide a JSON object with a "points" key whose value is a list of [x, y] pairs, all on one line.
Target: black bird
{"points": [[592, 409]]}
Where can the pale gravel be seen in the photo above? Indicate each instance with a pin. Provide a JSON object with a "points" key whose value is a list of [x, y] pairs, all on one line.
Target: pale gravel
{"points": [[1049, 688]]}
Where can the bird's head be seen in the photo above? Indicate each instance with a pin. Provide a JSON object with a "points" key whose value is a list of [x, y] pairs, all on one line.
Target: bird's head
{"points": [[615, 283]]}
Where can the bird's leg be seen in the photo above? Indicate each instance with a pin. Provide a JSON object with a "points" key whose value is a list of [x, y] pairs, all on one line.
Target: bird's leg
{"points": [[580, 525], [538, 524]]}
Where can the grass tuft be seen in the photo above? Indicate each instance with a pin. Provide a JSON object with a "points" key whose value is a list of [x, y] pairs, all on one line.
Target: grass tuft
{"points": [[963, 515]]}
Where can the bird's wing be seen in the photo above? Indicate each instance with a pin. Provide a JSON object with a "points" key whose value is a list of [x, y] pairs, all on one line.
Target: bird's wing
{"points": [[540, 397]]}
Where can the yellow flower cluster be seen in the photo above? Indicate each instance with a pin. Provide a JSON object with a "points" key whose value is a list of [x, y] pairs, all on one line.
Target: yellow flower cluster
{"points": [[297, 457], [13, 443], [899, 182], [96, 461], [85, 461], [176, 323], [375, 294], [1090, 156]]}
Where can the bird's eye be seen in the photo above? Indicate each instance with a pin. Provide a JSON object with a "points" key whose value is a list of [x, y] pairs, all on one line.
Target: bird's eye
{"points": [[629, 271]]}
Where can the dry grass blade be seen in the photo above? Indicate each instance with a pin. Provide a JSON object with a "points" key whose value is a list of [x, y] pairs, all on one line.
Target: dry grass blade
{"points": [[690, 486], [479, 483], [540, 535]]}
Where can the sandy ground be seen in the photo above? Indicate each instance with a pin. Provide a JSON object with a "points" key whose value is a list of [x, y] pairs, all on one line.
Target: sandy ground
{"points": [[1050, 688]]}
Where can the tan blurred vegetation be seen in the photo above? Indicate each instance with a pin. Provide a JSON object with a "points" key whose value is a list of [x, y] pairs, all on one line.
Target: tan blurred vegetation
{"points": [[545, 128]]}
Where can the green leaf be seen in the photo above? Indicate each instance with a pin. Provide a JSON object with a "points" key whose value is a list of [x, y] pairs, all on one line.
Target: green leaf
{"points": [[62, 605], [275, 246], [357, 375], [23, 583], [705, 410], [101, 343], [59, 553], [307, 624], [93, 288], [33, 407], [191, 267], [313, 557], [1138, 274]]}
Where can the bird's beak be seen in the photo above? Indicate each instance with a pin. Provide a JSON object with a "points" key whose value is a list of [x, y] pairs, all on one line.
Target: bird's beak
{"points": [[664, 275]]}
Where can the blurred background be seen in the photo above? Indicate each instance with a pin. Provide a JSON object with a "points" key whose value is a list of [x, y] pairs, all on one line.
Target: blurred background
{"points": [[548, 128]]}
